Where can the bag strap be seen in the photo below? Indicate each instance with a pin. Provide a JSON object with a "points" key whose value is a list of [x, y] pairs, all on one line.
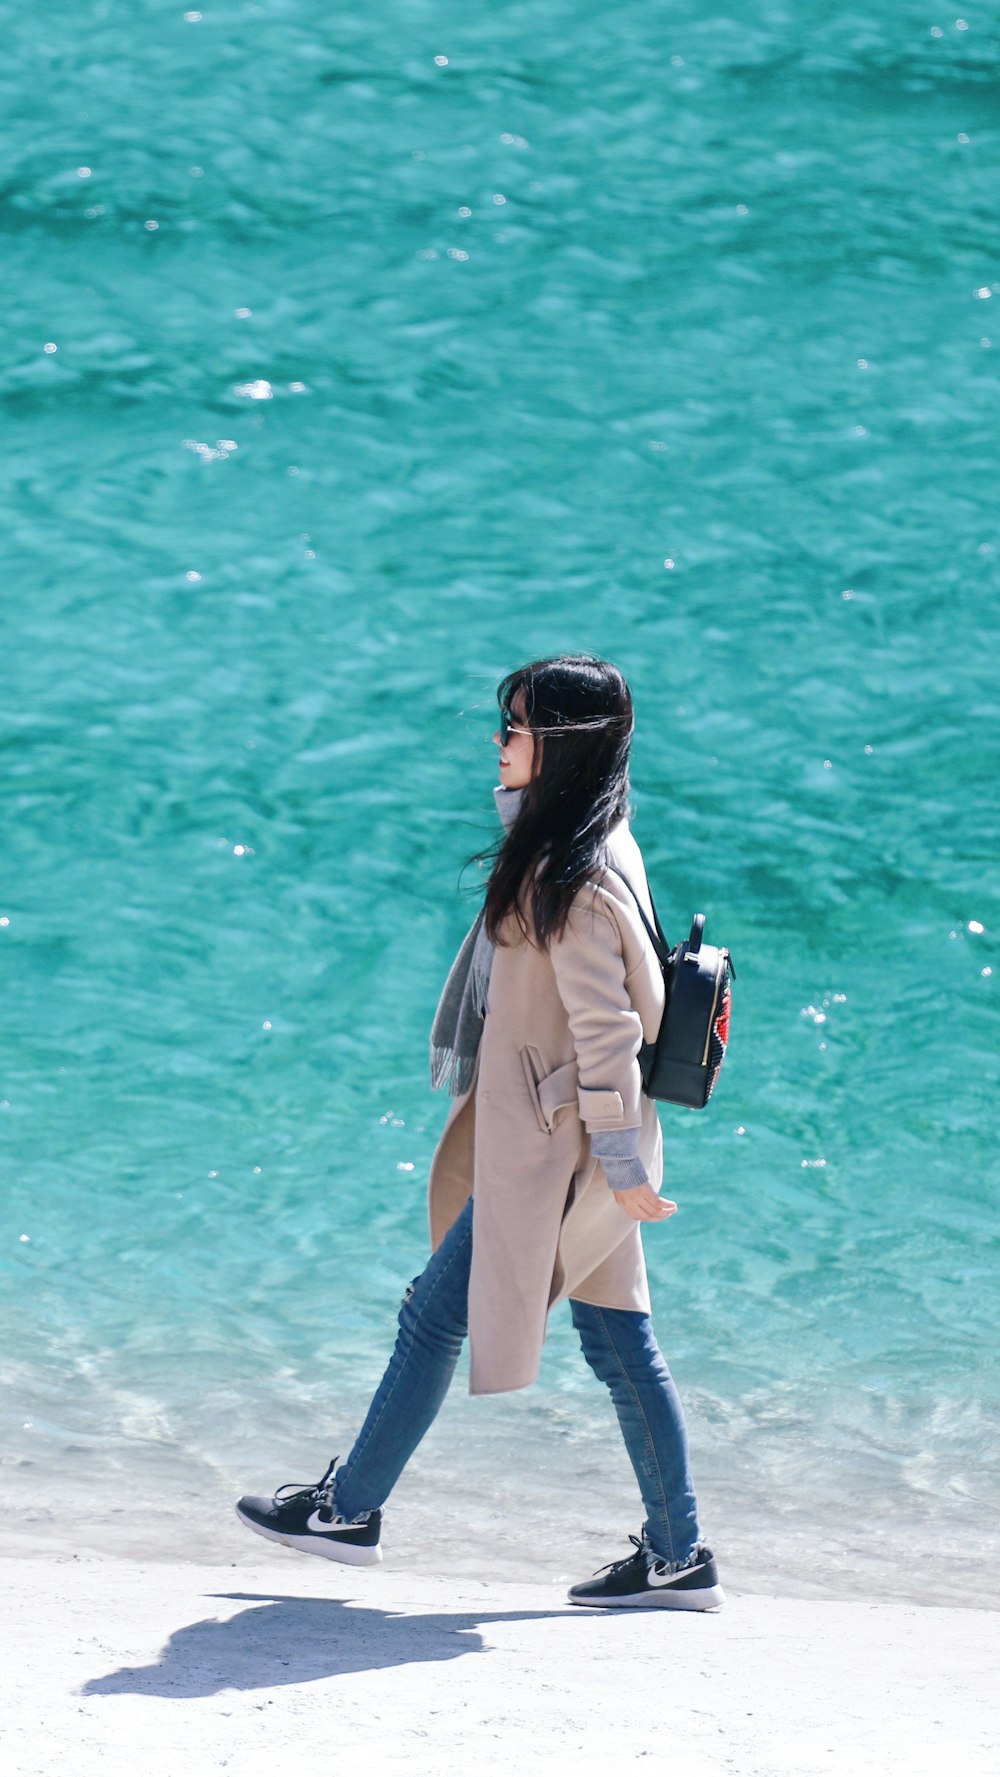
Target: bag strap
{"points": [[657, 939]]}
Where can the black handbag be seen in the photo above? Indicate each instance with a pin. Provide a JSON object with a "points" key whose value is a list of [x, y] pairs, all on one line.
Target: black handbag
{"points": [[683, 1064]]}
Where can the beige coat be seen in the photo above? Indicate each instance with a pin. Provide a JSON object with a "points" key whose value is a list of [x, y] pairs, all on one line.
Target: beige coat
{"points": [[557, 1062]]}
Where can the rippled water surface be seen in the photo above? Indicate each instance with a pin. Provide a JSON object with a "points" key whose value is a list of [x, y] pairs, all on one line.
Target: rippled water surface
{"points": [[347, 361]]}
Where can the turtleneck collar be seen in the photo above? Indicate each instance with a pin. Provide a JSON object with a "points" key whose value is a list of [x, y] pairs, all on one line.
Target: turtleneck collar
{"points": [[508, 804]]}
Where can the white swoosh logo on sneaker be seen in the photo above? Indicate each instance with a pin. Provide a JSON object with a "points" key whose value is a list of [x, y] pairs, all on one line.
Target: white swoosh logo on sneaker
{"points": [[667, 1579], [320, 1525]]}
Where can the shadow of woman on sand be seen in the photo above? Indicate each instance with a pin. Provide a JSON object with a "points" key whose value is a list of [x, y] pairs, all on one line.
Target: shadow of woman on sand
{"points": [[288, 1640]]}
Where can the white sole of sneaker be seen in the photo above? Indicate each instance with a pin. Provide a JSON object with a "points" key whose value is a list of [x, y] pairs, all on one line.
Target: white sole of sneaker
{"points": [[709, 1598], [349, 1554]]}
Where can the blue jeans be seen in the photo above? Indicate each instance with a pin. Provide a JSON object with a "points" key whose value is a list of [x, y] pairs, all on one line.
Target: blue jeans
{"points": [[620, 1347]]}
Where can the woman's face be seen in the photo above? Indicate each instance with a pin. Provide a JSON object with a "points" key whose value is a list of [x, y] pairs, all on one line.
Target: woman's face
{"points": [[517, 757]]}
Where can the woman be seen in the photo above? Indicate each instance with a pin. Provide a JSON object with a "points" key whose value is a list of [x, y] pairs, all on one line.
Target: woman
{"points": [[551, 1157]]}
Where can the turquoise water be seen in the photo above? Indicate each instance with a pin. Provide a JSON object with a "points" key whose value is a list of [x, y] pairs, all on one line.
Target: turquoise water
{"points": [[337, 379]]}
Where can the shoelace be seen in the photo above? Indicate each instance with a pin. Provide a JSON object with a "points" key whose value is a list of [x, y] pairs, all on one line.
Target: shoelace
{"points": [[652, 1560], [321, 1491], [641, 1548]]}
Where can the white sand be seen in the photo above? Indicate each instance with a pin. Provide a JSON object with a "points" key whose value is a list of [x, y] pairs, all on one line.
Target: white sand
{"points": [[298, 1666]]}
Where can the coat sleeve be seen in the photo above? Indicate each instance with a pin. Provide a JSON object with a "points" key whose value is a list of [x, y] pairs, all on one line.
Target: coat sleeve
{"points": [[607, 1030]]}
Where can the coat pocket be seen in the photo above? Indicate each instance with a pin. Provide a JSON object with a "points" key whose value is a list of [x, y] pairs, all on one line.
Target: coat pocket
{"points": [[549, 1093]]}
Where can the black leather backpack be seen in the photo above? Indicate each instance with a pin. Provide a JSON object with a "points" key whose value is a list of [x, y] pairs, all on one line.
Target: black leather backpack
{"points": [[683, 1064]]}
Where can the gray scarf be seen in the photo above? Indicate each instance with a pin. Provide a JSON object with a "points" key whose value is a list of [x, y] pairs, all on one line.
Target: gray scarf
{"points": [[458, 1021]]}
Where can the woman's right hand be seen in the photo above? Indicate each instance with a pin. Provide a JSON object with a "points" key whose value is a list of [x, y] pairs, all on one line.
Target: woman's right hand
{"points": [[644, 1204]]}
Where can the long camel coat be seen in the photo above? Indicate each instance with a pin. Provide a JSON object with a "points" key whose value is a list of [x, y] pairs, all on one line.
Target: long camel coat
{"points": [[557, 1062]]}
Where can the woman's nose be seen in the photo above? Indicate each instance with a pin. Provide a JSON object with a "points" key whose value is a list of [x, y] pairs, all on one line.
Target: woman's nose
{"points": [[497, 742]]}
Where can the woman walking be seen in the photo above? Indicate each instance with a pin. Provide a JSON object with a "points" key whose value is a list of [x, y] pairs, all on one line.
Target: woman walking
{"points": [[551, 1157]]}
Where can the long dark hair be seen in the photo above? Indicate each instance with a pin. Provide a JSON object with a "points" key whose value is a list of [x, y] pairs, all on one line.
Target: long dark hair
{"points": [[579, 709]]}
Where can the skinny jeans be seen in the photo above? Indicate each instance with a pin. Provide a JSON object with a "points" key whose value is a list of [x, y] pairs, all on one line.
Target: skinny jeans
{"points": [[618, 1344]]}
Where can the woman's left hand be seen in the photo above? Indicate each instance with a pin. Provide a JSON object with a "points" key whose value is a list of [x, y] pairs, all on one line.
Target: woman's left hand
{"points": [[644, 1204]]}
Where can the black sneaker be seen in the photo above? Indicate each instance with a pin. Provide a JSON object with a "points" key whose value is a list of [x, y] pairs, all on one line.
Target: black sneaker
{"points": [[645, 1579], [305, 1519]]}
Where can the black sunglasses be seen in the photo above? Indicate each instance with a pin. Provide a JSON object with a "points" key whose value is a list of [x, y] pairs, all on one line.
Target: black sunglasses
{"points": [[509, 725]]}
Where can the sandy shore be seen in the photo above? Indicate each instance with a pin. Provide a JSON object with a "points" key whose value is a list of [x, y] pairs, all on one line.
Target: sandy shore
{"points": [[297, 1666]]}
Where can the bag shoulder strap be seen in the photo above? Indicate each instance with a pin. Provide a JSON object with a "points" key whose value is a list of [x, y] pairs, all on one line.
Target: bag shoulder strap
{"points": [[656, 938]]}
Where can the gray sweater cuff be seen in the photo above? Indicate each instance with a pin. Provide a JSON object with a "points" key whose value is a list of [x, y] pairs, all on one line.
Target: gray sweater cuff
{"points": [[624, 1175], [618, 1152]]}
